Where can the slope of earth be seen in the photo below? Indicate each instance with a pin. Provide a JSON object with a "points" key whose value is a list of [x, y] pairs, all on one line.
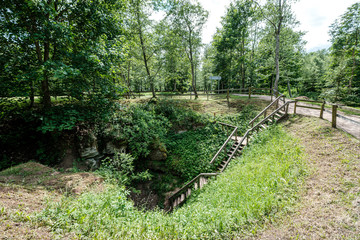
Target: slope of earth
{"points": [[26, 188], [329, 207]]}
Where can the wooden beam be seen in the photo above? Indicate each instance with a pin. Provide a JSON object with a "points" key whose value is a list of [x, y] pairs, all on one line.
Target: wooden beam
{"points": [[316, 108]]}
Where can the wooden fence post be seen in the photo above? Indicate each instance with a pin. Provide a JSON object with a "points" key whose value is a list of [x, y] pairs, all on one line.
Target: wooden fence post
{"points": [[322, 110], [334, 113], [287, 109], [295, 107], [227, 97], [249, 92]]}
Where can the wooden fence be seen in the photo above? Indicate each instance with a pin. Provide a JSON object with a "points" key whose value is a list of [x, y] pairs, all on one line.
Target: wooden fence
{"points": [[321, 108]]}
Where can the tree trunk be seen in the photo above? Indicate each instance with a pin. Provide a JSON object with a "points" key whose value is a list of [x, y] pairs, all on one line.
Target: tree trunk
{"points": [[354, 63], [142, 42], [289, 89], [128, 78], [277, 57], [32, 97], [243, 60], [45, 83], [193, 80], [193, 71], [277, 49]]}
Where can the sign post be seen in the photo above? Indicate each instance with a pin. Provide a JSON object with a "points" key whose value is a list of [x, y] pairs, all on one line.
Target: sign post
{"points": [[212, 78]]}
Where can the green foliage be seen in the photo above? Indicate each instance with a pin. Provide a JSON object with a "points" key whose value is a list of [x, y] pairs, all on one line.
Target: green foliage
{"points": [[180, 117], [190, 152], [119, 169], [232, 44], [256, 187], [240, 119], [343, 74], [53, 48], [140, 127]]}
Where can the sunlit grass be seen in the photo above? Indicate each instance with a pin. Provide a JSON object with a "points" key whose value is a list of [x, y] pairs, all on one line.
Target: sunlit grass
{"points": [[257, 186]]}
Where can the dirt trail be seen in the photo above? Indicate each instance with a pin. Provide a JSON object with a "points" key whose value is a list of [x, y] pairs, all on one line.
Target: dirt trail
{"points": [[351, 127], [329, 204]]}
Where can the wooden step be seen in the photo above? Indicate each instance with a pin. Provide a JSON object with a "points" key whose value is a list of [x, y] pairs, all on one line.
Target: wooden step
{"points": [[278, 115]]}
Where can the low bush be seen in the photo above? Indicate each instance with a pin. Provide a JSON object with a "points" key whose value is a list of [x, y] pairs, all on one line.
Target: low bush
{"points": [[120, 170]]}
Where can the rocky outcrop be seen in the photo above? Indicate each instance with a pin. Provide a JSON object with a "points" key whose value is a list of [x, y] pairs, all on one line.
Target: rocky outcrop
{"points": [[157, 158]]}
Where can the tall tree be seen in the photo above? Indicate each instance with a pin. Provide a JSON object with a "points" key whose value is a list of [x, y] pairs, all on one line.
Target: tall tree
{"points": [[67, 43], [279, 15], [233, 41], [188, 18], [345, 37]]}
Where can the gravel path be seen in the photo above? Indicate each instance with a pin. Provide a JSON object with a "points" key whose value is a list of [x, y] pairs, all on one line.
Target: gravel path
{"points": [[347, 123]]}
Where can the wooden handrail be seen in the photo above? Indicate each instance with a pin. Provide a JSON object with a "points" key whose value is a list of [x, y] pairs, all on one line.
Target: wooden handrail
{"points": [[246, 135], [216, 155], [272, 114], [304, 100], [191, 182], [225, 124], [224, 145], [265, 109], [254, 128]]}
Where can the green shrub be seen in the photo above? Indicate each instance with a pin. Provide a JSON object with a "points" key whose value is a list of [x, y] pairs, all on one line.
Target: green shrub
{"points": [[140, 128], [120, 170]]}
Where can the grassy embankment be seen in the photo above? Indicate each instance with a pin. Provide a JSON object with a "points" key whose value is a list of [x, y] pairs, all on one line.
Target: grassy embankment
{"points": [[255, 188]]}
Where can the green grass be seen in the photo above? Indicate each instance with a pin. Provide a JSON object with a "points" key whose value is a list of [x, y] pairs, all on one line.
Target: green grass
{"points": [[256, 187], [350, 112]]}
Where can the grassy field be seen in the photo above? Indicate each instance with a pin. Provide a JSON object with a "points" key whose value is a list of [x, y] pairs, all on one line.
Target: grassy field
{"points": [[253, 190]]}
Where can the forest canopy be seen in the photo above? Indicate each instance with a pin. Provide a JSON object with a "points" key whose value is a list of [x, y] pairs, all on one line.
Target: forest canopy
{"points": [[96, 51]]}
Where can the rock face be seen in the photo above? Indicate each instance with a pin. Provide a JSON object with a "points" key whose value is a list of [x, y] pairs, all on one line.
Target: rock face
{"points": [[89, 152], [112, 148], [88, 149], [157, 158], [158, 155]]}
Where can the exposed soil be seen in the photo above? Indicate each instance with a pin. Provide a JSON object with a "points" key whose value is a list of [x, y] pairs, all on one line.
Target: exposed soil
{"points": [[26, 188], [329, 206]]}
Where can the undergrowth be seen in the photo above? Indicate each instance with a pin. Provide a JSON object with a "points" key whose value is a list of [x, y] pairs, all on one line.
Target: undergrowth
{"points": [[256, 187]]}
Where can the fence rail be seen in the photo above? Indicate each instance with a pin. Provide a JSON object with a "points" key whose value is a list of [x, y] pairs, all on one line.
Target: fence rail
{"points": [[183, 193]]}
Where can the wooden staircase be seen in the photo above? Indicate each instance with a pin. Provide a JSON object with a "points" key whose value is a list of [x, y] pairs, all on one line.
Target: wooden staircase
{"points": [[234, 151], [180, 196]]}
